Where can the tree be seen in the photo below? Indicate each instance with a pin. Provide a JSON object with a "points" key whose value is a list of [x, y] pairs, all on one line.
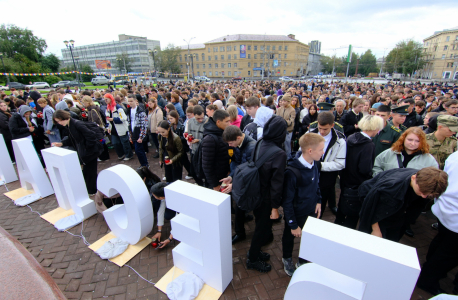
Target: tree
{"points": [[405, 58], [168, 59], [327, 63], [51, 62], [367, 63], [123, 62], [15, 40], [87, 69]]}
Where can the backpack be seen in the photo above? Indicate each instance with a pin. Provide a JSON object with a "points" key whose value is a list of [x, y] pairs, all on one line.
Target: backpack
{"points": [[246, 185], [94, 127], [197, 160]]}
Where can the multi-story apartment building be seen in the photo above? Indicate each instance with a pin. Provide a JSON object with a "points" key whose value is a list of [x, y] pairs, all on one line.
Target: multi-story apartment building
{"points": [[245, 55], [441, 55], [102, 57]]}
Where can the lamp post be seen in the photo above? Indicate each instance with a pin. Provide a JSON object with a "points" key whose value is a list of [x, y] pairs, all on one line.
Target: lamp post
{"points": [[71, 44], [188, 42], [78, 67], [192, 56], [4, 70], [152, 53]]}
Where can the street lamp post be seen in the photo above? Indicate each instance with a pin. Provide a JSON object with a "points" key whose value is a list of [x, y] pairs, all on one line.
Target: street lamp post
{"points": [[188, 42], [4, 70], [192, 56], [79, 68], [71, 44]]}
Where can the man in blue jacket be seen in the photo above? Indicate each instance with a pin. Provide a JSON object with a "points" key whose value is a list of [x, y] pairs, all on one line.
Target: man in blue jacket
{"points": [[301, 195]]}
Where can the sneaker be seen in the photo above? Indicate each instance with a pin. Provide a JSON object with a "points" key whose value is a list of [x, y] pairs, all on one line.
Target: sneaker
{"points": [[288, 266], [122, 157], [14, 162], [187, 177], [164, 178], [90, 195], [262, 255], [435, 226], [127, 158], [258, 265], [298, 264], [98, 159]]}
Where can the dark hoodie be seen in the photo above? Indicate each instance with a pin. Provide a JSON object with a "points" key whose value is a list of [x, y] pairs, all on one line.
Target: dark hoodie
{"points": [[35, 96], [304, 192], [272, 171], [359, 160], [215, 154], [432, 125]]}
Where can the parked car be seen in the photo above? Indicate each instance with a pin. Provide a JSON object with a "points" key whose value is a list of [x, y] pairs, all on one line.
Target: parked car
{"points": [[237, 78], [38, 85], [60, 84], [202, 79], [16, 85], [285, 78], [100, 80], [75, 83], [4, 88]]}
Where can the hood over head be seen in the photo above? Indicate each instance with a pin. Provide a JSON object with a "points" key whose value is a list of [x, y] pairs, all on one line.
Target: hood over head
{"points": [[357, 139], [23, 109], [35, 95], [263, 114], [275, 130], [61, 105]]}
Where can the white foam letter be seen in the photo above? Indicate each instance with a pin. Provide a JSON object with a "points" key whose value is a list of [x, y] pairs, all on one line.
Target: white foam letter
{"points": [[134, 219], [348, 264], [204, 229], [7, 172], [67, 179], [31, 172]]}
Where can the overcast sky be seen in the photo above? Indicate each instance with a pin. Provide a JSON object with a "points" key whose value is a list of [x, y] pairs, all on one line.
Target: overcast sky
{"points": [[368, 24]]}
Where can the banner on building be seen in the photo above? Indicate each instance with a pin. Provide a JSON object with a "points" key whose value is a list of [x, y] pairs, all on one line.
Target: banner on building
{"points": [[242, 51], [275, 63], [103, 64]]}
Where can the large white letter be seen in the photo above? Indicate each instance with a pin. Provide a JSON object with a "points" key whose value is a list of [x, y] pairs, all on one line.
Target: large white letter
{"points": [[7, 172], [204, 229], [348, 264], [67, 179], [31, 172], [134, 219]]}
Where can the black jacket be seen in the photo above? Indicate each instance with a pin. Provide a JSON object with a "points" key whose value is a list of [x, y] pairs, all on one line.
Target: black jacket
{"points": [[359, 160], [306, 121], [83, 140], [243, 153], [338, 118], [5, 126], [272, 171], [383, 196], [413, 119], [348, 121], [18, 127], [215, 154], [247, 119]]}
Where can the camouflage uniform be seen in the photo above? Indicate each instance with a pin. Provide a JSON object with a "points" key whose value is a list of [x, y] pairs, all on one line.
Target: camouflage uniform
{"points": [[441, 150]]}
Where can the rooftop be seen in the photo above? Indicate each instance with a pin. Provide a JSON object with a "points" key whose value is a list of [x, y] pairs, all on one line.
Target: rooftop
{"points": [[192, 46], [253, 37]]}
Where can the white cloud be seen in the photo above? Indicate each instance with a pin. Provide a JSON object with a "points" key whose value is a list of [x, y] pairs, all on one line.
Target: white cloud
{"points": [[368, 24]]}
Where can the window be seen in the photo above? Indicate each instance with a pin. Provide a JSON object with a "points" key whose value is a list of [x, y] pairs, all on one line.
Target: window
{"points": [[198, 73], [228, 48], [443, 56], [216, 66], [273, 48], [221, 49], [209, 66], [279, 48], [203, 66], [255, 65], [446, 75], [447, 39], [181, 66], [235, 48], [197, 57], [255, 56], [262, 65], [249, 56], [215, 49], [262, 48], [284, 72], [229, 65], [456, 38], [285, 55], [208, 49], [286, 48], [268, 48], [229, 73], [216, 57], [235, 65], [216, 73], [255, 48], [222, 66], [197, 66], [449, 65], [235, 56], [203, 57], [222, 57], [284, 64], [249, 65], [262, 56], [209, 73], [451, 55], [249, 47], [180, 57], [209, 58], [205, 73], [249, 73], [445, 47]]}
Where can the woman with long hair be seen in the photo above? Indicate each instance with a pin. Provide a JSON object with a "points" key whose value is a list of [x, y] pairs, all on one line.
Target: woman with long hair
{"points": [[155, 116], [5, 116], [287, 112], [311, 117], [178, 128], [170, 152], [95, 115], [236, 119], [118, 128]]}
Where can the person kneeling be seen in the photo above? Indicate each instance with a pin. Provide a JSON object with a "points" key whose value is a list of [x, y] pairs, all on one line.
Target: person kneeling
{"points": [[301, 195]]}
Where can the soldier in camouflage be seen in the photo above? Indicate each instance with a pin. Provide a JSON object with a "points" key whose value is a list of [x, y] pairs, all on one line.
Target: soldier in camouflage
{"points": [[442, 142]]}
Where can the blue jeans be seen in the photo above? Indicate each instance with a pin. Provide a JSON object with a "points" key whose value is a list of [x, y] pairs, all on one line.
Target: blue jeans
{"points": [[54, 137], [288, 143], [122, 145], [140, 153]]}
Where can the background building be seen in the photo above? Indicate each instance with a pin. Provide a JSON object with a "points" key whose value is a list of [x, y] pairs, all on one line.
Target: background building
{"points": [[315, 47], [314, 60], [102, 57], [441, 55], [246, 55]]}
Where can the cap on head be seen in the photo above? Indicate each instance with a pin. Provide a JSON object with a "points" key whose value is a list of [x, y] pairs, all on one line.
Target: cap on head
{"points": [[324, 106], [449, 121], [402, 110]]}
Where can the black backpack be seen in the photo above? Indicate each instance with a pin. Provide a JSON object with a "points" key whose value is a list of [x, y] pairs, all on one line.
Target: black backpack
{"points": [[94, 127], [197, 160], [246, 185]]}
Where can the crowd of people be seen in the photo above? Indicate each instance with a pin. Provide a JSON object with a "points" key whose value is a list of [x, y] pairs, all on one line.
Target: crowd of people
{"points": [[390, 148]]}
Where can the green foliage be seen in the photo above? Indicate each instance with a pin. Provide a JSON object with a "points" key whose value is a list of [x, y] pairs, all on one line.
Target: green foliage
{"points": [[67, 76], [87, 69], [123, 62], [367, 63], [168, 59], [327, 63], [51, 79], [51, 62], [15, 40], [405, 58]]}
